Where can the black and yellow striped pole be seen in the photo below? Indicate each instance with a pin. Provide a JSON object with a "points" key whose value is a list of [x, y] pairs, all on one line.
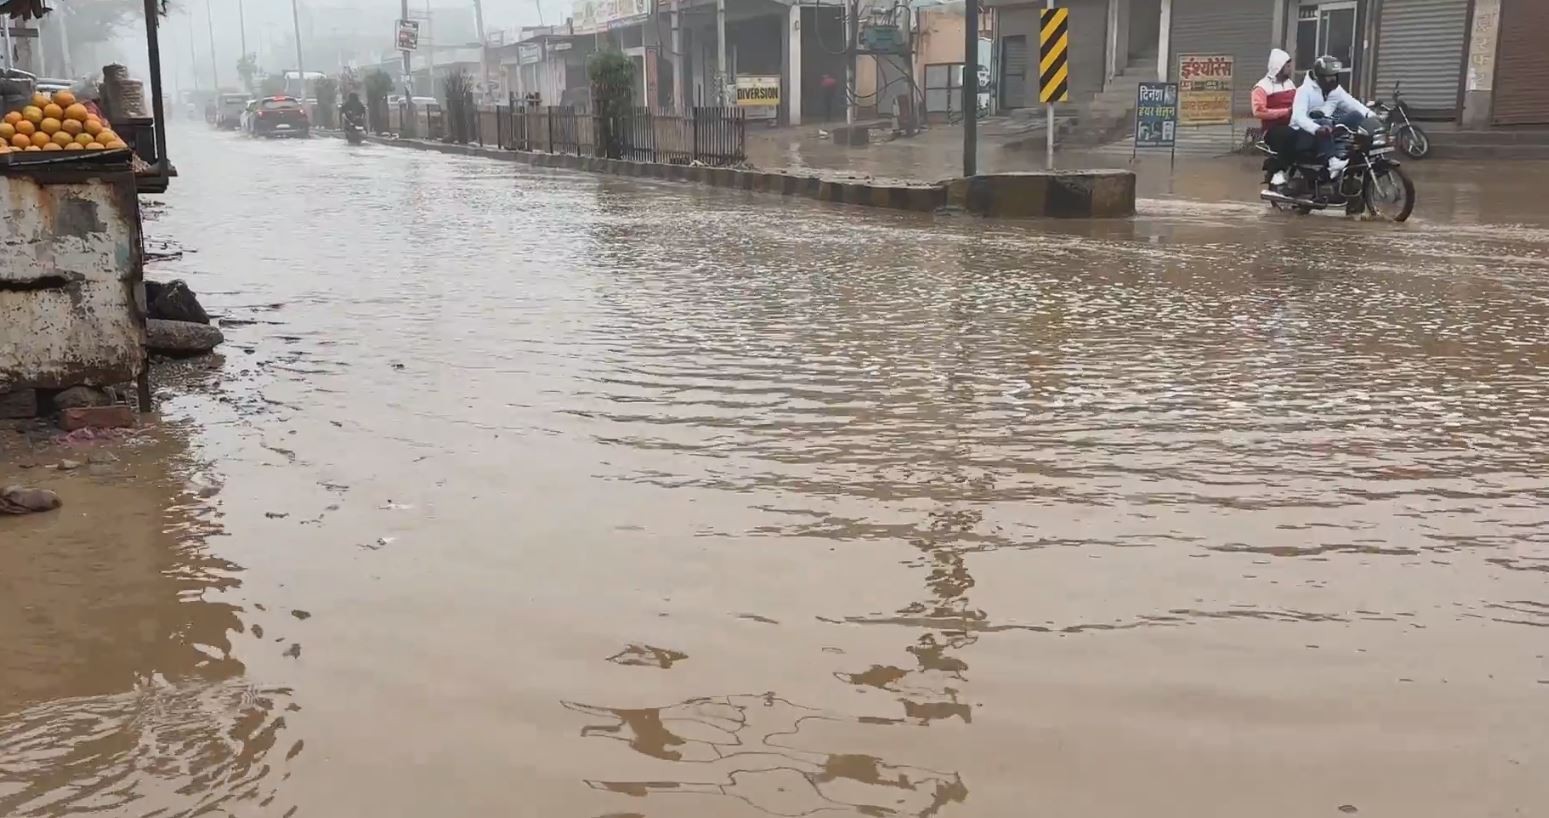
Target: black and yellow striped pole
{"points": [[1053, 66]]}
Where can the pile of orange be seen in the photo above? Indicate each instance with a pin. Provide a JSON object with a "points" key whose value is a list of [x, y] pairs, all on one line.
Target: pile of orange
{"points": [[57, 124]]}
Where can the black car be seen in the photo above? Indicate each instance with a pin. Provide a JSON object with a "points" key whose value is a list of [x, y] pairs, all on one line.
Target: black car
{"points": [[279, 116]]}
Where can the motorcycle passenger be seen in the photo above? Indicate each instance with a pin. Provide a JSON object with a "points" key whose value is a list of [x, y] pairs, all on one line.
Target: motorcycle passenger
{"points": [[1272, 100], [353, 109], [1321, 104]]}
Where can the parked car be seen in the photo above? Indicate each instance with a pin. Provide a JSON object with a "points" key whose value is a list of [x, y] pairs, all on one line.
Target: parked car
{"points": [[228, 111], [279, 116]]}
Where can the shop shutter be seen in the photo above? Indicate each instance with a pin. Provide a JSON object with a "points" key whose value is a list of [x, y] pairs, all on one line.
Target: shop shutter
{"points": [[1522, 64], [1420, 43], [1237, 27]]}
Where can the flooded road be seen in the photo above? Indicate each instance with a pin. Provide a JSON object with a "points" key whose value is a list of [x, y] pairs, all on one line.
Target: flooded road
{"points": [[521, 492]]}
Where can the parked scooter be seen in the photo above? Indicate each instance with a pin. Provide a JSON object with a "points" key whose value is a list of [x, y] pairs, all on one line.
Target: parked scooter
{"points": [[1407, 136]]}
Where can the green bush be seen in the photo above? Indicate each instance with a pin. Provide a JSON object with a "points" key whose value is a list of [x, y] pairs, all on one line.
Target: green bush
{"points": [[613, 96]]}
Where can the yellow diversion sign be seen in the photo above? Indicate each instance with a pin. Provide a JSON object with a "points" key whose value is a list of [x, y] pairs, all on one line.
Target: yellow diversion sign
{"points": [[1054, 56]]}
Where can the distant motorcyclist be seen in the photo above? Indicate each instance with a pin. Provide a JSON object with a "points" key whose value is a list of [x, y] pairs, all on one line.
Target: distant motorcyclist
{"points": [[1320, 105], [1272, 99], [353, 108]]}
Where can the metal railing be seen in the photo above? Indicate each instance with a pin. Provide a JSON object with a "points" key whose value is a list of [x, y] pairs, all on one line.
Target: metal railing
{"points": [[710, 136]]}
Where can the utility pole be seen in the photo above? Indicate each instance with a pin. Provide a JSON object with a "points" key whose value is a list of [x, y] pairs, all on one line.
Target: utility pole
{"points": [[721, 77], [408, 70], [970, 88], [242, 27], [679, 84], [215, 74], [478, 19], [64, 39], [852, 27], [193, 56], [301, 69]]}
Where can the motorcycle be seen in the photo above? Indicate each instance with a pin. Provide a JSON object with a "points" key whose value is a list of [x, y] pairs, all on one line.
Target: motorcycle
{"points": [[354, 130], [1371, 182], [1406, 134]]}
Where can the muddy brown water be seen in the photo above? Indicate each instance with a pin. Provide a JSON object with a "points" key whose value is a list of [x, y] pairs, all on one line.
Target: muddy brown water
{"points": [[533, 493]]}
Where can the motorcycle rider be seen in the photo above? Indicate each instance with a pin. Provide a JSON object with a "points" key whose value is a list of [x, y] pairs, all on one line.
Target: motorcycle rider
{"points": [[1272, 99], [1321, 104], [353, 108]]}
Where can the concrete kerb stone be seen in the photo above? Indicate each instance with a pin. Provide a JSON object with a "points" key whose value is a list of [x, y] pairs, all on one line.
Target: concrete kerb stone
{"points": [[1099, 194]]}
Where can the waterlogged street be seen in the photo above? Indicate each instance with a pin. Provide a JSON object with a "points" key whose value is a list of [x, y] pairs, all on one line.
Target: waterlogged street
{"points": [[531, 493]]}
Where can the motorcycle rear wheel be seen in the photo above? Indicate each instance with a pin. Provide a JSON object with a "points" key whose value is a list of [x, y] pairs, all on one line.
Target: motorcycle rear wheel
{"points": [[1390, 194]]}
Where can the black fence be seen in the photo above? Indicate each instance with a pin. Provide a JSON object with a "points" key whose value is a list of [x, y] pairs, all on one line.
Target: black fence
{"points": [[710, 136]]}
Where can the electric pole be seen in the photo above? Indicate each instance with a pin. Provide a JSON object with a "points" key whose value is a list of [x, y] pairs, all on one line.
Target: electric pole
{"points": [[242, 27], [721, 79], [215, 74], [301, 69], [970, 88], [478, 19]]}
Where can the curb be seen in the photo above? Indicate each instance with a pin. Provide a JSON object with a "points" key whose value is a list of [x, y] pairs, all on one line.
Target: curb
{"points": [[1096, 194]]}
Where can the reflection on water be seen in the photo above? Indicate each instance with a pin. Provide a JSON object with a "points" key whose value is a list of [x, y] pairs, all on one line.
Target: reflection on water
{"points": [[748, 747], [120, 692]]}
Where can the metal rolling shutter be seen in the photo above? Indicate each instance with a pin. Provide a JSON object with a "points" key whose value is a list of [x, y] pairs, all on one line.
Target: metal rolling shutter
{"points": [[1088, 46], [1243, 29], [1522, 64], [1420, 43]]}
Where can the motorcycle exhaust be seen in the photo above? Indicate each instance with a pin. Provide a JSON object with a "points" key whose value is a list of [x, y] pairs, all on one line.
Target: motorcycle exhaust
{"points": [[1290, 201]]}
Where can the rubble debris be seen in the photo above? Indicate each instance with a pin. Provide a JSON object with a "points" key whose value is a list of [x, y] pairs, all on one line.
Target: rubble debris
{"points": [[23, 500], [181, 338], [96, 417], [78, 396], [174, 301]]}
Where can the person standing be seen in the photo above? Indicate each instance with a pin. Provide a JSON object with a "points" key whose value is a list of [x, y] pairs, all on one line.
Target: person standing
{"points": [[830, 88]]}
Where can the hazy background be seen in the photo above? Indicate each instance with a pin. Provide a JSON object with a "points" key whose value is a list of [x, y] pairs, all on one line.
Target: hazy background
{"points": [[333, 32]]}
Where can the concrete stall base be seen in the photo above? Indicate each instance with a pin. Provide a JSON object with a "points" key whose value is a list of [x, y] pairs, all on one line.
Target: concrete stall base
{"points": [[1062, 194]]}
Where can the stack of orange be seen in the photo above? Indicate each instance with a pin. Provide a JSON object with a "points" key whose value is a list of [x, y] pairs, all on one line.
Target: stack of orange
{"points": [[56, 124]]}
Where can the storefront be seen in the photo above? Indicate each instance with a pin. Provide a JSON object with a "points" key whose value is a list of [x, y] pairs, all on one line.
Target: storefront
{"points": [[1522, 64], [1244, 29], [1422, 44], [1016, 49]]}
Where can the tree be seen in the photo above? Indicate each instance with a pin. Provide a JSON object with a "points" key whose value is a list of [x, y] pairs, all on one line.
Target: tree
{"points": [[378, 86], [247, 68], [459, 105], [327, 91], [613, 93]]}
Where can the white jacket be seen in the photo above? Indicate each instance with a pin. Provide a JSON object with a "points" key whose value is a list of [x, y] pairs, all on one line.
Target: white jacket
{"points": [[1311, 101]]}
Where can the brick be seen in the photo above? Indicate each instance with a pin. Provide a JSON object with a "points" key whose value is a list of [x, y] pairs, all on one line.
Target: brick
{"points": [[19, 403], [96, 417]]}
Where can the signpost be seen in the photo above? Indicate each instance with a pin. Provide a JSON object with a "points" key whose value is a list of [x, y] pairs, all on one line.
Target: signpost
{"points": [[758, 95], [1205, 89], [1053, 66], [408, 35], [1156, 117]]}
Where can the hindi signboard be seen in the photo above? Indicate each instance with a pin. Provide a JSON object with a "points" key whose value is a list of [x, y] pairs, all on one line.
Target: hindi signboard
{"points": [[758, 95], [1205, 89], [1156, 115], [408, 35]]}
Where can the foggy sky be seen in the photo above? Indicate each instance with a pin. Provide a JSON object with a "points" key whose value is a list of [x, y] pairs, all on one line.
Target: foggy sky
{"points": [[268, 24]]}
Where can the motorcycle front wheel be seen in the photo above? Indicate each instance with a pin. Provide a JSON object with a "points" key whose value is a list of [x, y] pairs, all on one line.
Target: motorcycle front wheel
{"points": [[1390, 193], [1412, 141]]}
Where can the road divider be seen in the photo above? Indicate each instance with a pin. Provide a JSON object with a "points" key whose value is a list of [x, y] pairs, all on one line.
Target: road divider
{"points": [[1069, 194]]}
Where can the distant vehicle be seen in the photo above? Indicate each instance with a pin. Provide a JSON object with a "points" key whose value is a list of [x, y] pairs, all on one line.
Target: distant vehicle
{"points": [[228, 111], [419, 102], [279, 116], [52, 85]]}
